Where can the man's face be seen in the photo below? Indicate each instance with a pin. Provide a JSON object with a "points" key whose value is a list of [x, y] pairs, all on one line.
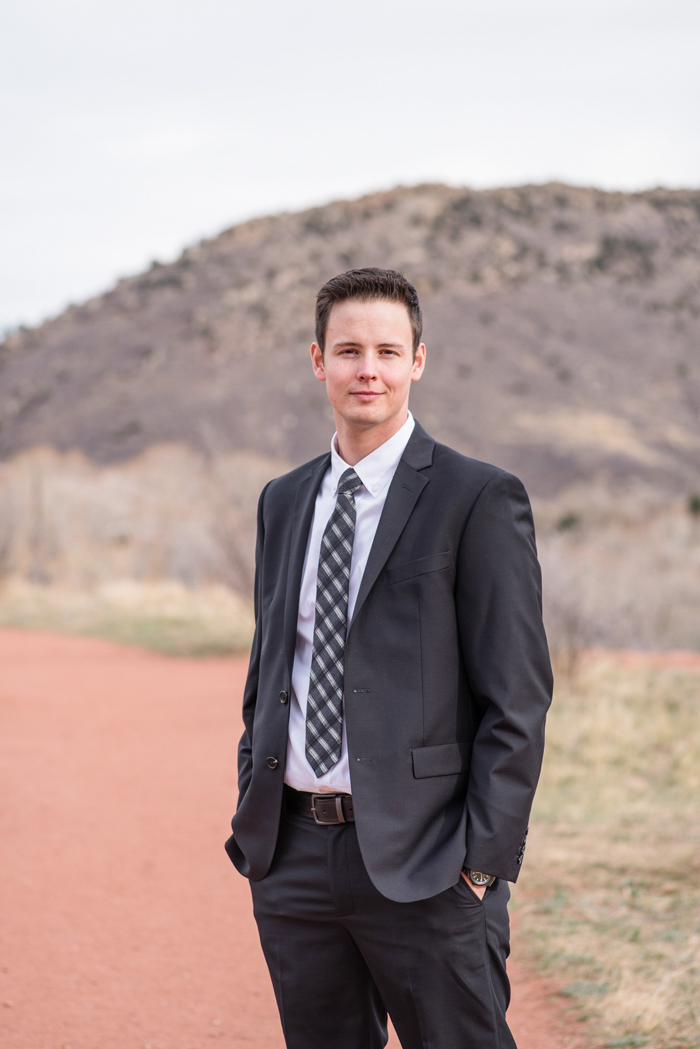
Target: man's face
{"points": [[368, 364]]}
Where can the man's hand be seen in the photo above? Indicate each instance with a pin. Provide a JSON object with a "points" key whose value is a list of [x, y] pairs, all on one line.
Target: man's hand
{"points": [[478, 889]]}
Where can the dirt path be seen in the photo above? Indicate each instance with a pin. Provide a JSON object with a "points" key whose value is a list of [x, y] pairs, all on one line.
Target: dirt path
{"points": [[122, 923]]}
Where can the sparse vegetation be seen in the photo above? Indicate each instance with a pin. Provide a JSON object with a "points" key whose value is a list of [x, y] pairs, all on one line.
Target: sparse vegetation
{"points": [[609, 900], [567, 521], [166, 617], [629, 258], [169, 514], [621, 570], [213, 348]]}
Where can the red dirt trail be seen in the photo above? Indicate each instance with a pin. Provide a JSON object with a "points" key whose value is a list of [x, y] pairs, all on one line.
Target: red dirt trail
{"points": [[123, 924]]}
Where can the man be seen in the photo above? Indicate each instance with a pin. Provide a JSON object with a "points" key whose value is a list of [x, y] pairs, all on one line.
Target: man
{"points": [[394, 709]]}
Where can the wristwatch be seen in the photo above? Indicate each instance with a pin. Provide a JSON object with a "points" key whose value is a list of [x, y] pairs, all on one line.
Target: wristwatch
{"points": [[479, 878]]}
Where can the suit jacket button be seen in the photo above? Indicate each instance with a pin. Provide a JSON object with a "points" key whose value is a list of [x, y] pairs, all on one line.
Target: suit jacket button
{"points": [[272, 763], [283, 697]]}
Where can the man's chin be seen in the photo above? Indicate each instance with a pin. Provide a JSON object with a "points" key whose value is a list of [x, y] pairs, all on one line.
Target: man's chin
{"points": [[366, 415]]}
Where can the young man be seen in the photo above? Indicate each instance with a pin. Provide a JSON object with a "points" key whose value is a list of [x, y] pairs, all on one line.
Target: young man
{"points": [[394, 709]]}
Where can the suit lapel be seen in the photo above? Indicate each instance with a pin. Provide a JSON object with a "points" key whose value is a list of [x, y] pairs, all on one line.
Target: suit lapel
{"points": [[301, 525], [402, 496]]}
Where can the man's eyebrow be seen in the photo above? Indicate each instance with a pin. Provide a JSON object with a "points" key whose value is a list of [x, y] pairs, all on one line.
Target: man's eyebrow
{"points": [[382, 345]]}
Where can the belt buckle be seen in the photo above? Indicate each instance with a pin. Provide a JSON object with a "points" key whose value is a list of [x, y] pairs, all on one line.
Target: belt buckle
{"points": [[340, 815]]}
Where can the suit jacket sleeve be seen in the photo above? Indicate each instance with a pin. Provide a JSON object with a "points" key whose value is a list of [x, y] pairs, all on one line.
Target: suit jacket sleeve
{"points": [[499, 607], [250, 694]]}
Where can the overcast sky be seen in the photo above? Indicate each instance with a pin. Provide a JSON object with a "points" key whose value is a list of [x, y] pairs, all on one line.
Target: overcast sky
{"points": [[129, 128]]}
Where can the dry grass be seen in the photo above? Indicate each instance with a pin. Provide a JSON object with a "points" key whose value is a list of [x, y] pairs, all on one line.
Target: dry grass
{"points": [[167, 616], [609, 901]]}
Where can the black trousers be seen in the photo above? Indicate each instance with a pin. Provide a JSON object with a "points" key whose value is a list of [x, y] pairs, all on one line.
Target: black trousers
{"points": [[341, 955]]}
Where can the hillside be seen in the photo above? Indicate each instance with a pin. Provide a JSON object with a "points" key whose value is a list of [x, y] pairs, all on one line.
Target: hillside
{"points": [[562, 327]]}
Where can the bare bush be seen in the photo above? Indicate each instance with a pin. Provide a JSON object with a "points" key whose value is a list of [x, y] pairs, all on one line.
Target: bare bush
{"points": [[7, 534], [621, 569], [569, 630], [625, 575], [168, 514]]}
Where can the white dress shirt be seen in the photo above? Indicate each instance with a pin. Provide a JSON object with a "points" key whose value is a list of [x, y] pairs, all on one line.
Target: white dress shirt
{"points": [[376, 472]]}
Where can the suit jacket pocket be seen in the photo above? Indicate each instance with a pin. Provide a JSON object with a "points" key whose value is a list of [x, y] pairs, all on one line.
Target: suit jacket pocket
{"points": [[432, 563], [448, 759]]}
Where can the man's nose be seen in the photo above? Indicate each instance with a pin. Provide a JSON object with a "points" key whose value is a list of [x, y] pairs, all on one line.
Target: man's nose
{"points": [[367, 369]]}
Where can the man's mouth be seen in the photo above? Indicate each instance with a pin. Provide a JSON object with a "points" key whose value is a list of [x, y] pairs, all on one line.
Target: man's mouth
{"points": [[366, 395]]}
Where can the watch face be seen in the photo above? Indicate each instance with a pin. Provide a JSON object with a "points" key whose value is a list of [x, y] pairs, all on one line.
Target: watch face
{"points": [[479, 878]]}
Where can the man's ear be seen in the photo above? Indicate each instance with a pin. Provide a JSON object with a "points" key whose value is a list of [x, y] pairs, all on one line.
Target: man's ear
{"points": [[418, 363], [317, 362]]}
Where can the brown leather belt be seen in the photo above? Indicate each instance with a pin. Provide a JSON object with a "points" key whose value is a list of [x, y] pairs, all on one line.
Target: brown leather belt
{"points": [[325, 809]]}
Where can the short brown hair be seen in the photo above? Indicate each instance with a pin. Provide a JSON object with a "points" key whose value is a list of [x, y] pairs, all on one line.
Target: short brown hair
{"points": [[367, 285]]}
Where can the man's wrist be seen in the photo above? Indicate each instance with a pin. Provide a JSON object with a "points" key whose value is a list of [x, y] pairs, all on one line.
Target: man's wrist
{"points": [[479, 878]]}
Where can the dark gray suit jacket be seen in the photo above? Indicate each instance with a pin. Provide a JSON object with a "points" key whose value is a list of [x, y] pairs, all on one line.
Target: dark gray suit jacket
{"points": [[447, 675]]}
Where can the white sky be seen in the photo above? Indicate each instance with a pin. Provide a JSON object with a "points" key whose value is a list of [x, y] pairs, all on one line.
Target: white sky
{"points": [[129, 128]]}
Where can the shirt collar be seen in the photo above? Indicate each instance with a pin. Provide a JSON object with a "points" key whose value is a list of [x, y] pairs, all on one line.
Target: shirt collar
{"points": [[376, 469]]}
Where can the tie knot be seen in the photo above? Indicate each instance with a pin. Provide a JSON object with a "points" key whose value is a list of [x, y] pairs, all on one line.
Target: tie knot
{"points": [[349, 483]]}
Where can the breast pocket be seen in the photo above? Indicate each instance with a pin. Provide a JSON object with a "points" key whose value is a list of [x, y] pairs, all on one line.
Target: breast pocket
{"points": [[431, 563]]}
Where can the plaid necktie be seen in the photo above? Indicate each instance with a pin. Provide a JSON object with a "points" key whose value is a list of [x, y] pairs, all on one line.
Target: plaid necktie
{"points": [[324, 706]]}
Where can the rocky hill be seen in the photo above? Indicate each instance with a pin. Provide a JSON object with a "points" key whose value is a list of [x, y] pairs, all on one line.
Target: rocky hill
{"points": [[562, 327]]}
